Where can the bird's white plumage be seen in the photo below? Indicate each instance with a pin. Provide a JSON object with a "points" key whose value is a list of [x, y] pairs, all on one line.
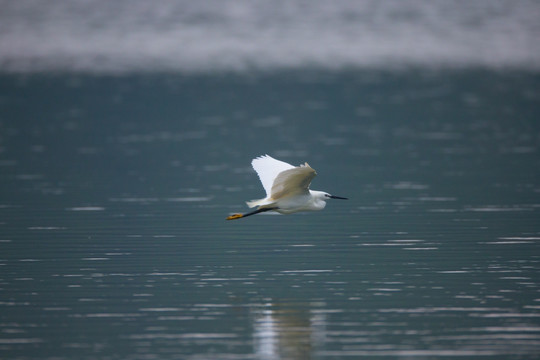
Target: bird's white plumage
{"points": [[280, 179], [294, 181], [287, 188], [268, 169]]}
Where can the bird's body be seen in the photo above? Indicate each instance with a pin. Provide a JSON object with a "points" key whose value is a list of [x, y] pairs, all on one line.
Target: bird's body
{"points": [[313, 201], [287, 188]]}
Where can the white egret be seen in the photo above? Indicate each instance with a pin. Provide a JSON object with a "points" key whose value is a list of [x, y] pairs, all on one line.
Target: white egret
{"points": [[287, 188]]}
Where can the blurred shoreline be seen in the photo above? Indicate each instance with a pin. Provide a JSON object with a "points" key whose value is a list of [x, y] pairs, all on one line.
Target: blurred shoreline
{"points": [[123, 37]]}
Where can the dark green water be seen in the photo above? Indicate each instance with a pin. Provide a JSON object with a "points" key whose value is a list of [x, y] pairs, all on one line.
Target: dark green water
{"points": [[114, 193]]}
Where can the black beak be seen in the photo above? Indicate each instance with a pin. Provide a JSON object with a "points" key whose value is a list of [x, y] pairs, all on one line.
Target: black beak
{"points": [[338, 197]]}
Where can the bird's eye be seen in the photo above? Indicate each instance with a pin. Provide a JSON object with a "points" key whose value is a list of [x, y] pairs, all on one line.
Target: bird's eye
{"points": [[327, 195]]}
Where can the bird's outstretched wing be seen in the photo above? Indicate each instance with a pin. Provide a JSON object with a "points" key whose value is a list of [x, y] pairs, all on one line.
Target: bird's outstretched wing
{"points": [[293, 181], [268, 169]]}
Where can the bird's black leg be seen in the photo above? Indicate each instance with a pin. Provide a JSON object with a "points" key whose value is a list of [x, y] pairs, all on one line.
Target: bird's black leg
{"points": [[238, 216]]}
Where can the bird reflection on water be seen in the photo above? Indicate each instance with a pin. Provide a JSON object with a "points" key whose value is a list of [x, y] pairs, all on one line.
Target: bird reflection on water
{"points": [[287, 332]]}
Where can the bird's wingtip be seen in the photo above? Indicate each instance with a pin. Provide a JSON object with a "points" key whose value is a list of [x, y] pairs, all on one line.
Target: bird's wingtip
{"points": [[260, 157]]}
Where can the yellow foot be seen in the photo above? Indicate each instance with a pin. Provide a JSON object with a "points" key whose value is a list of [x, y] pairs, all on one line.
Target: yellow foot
{"points": [[234, 216]]}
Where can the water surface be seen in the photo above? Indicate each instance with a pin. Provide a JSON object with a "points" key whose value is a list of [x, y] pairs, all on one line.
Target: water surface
{"points": [[114, 244]]}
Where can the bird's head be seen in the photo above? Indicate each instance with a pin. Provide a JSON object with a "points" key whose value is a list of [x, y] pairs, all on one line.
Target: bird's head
{"points": [[328, 196], [321, 195]]}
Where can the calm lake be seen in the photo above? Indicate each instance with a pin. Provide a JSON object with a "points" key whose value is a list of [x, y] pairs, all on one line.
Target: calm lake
{"points": [[115, 190]]}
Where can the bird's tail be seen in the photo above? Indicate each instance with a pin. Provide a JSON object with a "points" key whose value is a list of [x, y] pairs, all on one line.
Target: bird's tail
{"points": [[260, 202]]}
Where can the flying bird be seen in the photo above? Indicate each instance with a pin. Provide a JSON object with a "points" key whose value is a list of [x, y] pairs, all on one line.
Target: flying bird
{"points": [[287, 188]]}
